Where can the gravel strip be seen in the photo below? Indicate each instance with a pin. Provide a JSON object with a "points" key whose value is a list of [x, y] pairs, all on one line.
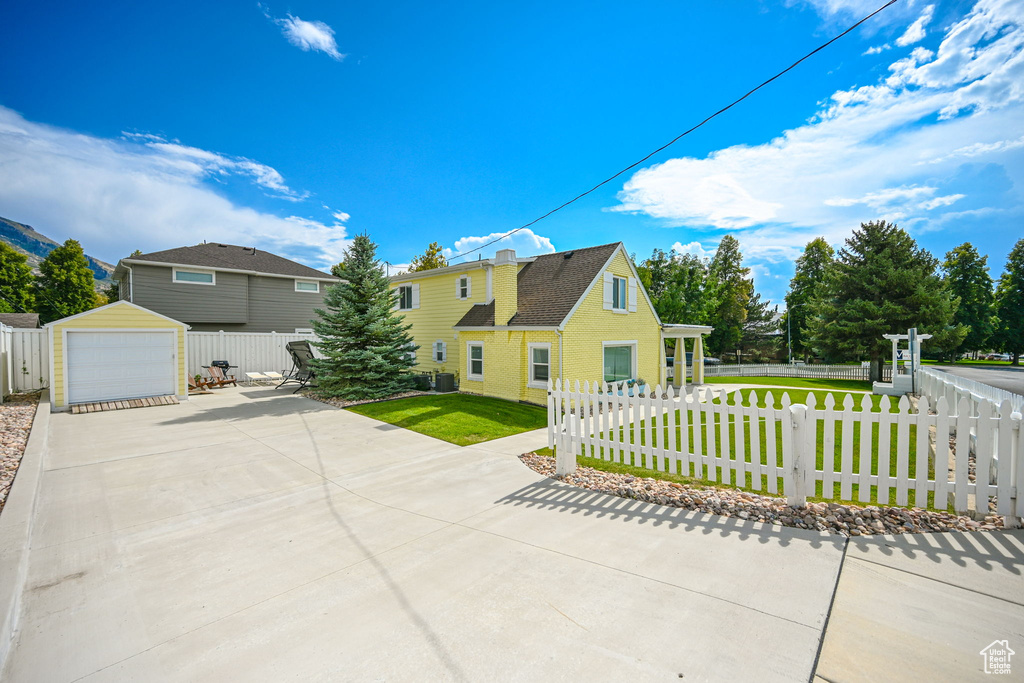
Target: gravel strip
{"points": [[845, 520], [342, 403], [16, 415]]}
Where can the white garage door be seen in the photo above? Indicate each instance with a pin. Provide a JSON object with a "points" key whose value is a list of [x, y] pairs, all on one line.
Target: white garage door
{"points": [[110, 366]]}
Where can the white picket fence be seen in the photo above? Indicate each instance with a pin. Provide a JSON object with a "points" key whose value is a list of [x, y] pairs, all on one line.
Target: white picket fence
{"points": [[25, 360], [795, 370], [843, 452], [250, 351], [935, 383]]}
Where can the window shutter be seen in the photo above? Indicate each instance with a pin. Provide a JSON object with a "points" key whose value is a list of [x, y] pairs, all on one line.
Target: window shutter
{"points": [[469, 287], [458, 288], [608, 280], [415, 295], [397, 292], [444, 351], [632, 295]]}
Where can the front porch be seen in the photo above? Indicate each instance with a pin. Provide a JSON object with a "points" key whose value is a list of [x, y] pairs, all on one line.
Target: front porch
{"points": [[681, 369]]}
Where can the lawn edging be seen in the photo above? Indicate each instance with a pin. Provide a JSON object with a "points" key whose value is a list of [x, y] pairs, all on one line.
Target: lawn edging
{"points": [[16, 523]]}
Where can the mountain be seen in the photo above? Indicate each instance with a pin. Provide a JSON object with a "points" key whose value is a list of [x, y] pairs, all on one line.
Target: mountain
{"points": [[37, 246]]}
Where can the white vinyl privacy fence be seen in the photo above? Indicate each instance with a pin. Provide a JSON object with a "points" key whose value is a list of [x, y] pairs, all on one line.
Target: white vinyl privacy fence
{"points": [[795, 370], [25, 360], [251, 352], [936, 383], [873, 453]]}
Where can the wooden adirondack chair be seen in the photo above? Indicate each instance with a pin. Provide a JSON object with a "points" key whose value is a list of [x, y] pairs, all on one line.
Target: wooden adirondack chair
{"points": [[198, 387], [218, 378]]}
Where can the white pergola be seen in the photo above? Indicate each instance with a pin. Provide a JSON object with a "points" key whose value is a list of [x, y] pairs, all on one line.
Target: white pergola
{"points": [[681, 333]]}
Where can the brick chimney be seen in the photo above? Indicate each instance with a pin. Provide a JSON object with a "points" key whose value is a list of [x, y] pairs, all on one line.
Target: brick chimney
{"points": [[506, 295]]}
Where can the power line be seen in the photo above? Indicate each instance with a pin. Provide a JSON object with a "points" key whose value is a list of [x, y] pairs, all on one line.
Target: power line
{"points": [[680, 136]]}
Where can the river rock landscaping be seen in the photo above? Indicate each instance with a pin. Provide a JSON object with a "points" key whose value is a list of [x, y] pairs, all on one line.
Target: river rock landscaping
{"points": [[16, 415], [845, 520]]}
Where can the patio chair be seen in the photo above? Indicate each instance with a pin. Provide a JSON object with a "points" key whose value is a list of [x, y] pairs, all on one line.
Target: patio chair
{"points": [[219, 378], [302, 371], [197, 387], [256, 377], [274, 376]]}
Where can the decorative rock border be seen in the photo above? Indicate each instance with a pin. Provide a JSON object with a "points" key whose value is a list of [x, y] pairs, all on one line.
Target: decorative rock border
{"points": [[16, 415], [845, 520], [342, 403]]}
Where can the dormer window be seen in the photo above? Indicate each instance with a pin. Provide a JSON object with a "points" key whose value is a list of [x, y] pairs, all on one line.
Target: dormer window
{"points": [[619, 301], [463, 287]]}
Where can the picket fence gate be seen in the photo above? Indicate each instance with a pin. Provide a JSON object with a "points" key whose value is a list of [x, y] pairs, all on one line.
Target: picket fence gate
{"points": [[24, 359], [874, 455], [795, 370]]}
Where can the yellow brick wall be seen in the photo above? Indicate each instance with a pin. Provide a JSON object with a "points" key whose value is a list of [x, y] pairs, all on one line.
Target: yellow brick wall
{"points": [[113, 317], [439, 310], [505, 296], [506, 364], [592, 324]]}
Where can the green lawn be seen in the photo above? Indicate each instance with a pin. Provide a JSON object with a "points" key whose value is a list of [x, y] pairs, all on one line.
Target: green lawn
{"points": [[457, 418], [838, 384], [713, 474]]}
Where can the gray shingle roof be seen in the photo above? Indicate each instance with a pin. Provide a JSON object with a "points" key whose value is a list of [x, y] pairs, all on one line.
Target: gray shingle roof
{"points": [[216, 255], [23, 320], [548, 288]]}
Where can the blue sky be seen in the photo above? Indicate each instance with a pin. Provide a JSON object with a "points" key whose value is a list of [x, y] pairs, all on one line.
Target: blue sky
{"points": [[292, 127]]}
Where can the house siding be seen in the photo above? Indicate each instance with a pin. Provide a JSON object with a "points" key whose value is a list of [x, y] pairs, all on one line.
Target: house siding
{"points": [[226, 302], [591, 325], [438, 312], [275, 306]]}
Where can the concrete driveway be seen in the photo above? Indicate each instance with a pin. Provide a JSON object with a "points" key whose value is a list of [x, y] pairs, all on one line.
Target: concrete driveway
{"points": [[253, 535]]}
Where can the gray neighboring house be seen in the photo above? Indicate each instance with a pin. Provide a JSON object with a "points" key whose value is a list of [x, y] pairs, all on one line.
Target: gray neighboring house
{"points": [[216, 286]]}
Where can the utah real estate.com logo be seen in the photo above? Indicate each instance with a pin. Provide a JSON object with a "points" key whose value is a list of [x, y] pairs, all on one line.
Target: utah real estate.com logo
{"points": [[997, 657]]}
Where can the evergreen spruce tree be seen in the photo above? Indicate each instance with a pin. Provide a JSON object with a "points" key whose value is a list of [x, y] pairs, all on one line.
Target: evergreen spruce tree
{"points": [[16, 293], [364, 345], [880, 283], [734, 293], [803, 288], [66, 284], [967, 278], [1010, 304]]}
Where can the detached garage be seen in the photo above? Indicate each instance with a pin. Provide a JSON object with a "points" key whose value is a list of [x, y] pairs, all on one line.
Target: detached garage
{"points": [[116, 352]]}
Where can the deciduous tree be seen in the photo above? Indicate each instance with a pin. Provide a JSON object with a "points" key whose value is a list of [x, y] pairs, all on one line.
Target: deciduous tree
{"points": [[365, 346], [432, 258], [967, 279], [680, 286], [1010, 304], [65, 285], [16, 280]]}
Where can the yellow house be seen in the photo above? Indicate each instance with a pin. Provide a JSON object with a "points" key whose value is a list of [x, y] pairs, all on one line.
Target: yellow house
{"points": [[116, 352], [506, 325]]}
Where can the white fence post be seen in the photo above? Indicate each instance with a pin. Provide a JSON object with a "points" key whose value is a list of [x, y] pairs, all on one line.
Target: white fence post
{"points": [[797, 423], [565, 456]]}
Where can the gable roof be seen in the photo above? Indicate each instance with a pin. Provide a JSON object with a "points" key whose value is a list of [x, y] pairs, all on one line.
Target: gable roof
{"points": [[21, 320], [548, 288], [229, 257]]}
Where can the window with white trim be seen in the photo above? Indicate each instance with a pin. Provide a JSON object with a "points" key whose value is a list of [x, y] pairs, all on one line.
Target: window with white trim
{"points": [[463, 287], [475, 360], [440, 351], [405, 298], [195, 277], [539, 361], [619, 300], [618, 362], [411, 353], [307, 286]]}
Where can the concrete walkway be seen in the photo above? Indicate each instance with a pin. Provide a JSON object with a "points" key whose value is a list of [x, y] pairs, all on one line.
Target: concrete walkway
{"points": [[254, 535]]}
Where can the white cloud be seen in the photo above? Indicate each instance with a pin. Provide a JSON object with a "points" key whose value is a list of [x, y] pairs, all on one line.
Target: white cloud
{"points": [[313, 36], [143, 192], [877, 49], [694, 248], [525, 242], [915, 32], [341, 216], [864, 149]]}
